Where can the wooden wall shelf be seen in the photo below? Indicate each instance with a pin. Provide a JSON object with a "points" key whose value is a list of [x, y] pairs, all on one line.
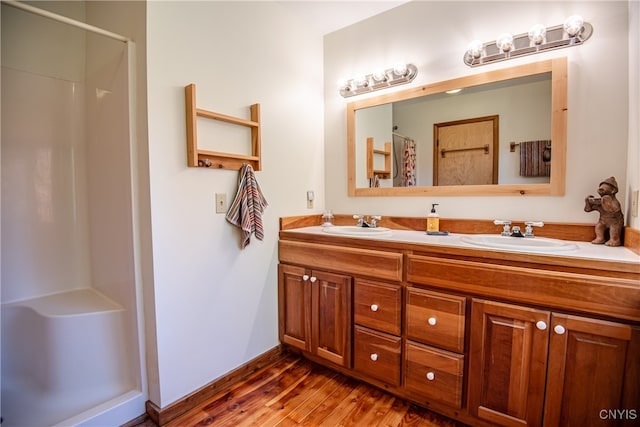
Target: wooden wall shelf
{"points": [[214, 159], [371, 152]]}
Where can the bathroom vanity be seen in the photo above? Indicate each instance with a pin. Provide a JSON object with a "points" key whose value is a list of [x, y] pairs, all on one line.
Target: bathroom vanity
{"points": [[485, 336]]}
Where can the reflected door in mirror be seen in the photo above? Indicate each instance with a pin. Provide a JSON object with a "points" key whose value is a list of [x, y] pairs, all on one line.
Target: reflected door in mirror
{"points": [[466, 152]]}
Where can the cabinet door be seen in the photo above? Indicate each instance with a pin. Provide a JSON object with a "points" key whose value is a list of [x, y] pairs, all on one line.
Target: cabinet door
{"points": [[331, 317], [294, 301], [586, 374], [507, 363]]}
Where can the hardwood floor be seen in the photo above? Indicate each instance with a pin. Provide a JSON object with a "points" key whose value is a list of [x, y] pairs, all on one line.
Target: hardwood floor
{"points": [[296, 392]]}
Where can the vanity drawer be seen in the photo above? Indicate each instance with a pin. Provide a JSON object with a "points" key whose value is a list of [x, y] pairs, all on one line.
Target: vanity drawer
{"points": [[436, 318], [377, 355], [434, 374], [378, 305], [383, 265]]}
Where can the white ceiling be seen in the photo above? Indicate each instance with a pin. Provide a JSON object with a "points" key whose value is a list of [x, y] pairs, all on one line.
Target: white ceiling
{"points": [[331, 15]]}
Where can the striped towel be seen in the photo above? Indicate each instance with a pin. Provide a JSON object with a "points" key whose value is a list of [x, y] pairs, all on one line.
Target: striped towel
{"points": [[246, 210], [531, 158]]}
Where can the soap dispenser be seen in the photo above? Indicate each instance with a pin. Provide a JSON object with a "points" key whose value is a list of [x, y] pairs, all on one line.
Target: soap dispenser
{"points": [[433, 219]]}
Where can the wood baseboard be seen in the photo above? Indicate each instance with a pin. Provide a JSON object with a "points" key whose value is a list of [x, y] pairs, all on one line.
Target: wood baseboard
{"points": [[162, 416]]}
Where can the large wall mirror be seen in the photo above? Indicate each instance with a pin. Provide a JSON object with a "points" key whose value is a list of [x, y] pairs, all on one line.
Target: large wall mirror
{"points": [[501, 132]]}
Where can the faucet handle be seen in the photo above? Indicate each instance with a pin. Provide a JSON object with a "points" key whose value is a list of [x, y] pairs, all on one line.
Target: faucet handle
{"points": [[534, 223], [375, 219], [506, 230], [528, 231], [501, 222], [360, 219]]}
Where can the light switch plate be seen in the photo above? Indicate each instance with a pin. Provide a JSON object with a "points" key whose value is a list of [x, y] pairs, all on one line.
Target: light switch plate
{"points": [[634, 203], [221, 203], [310, 197]]}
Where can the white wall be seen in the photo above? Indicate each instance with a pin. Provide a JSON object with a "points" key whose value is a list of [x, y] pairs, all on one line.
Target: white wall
{"points": [[434, 36], [215, 304]]}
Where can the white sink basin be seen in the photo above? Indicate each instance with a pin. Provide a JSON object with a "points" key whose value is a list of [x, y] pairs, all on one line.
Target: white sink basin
{"points": [[534, 244], [352, 230]]}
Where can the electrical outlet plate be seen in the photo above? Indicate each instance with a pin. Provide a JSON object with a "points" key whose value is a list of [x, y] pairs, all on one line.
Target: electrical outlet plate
{"points": [[634, 202], [221, 203]]}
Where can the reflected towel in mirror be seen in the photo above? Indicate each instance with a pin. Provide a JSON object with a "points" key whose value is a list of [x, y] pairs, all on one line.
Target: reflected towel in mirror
{"points": [[532, 158]]}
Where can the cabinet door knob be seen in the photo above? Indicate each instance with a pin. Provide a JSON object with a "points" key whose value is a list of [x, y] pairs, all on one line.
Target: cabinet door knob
{"points": [[305, 277], [432, 321], [374, 307], [431, 376], [313, 279], [541, 325], [559, 329], [374, 356]]}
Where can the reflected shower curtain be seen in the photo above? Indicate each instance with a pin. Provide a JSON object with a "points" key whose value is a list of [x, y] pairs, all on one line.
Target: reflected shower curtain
{"points": [[409, 163]]}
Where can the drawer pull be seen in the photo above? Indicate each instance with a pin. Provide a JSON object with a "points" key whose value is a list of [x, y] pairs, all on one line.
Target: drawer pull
{"points": [[432, 321], [374, 356], [374, 307], [313, 279], [431, 376], [541, 325], [305, 277], [559, 329]]}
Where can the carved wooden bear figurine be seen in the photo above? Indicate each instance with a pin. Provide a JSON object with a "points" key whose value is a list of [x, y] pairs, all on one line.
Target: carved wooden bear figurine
{"points": [[611, 217]]}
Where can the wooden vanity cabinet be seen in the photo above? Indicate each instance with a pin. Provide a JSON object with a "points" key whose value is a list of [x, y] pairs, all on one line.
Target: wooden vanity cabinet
{"points": [[490, 339], [534, 367], [315, 312]]}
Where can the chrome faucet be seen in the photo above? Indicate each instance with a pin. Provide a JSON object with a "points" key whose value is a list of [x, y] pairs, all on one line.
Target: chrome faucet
{"points": [[362, 222], [506, 230], [515, 231], [528, 230]]}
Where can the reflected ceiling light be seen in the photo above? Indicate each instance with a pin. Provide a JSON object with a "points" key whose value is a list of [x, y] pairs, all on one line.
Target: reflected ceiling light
{"points": [[380, 79], [453, 91], [574, 31]]}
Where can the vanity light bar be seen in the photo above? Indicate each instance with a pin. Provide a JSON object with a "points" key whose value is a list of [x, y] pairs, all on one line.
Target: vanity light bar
{"points": [[573, 32], [400, 74]]}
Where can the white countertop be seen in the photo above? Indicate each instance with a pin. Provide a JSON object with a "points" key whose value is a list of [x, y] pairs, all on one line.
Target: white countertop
{"points": [[585, 250]]}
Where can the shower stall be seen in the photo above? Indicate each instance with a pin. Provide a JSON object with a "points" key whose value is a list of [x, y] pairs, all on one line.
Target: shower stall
{"points": [[72, 336]]}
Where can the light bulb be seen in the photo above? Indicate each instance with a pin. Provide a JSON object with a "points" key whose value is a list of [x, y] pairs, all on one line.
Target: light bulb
{"points": [[475, 49], [537, 34], [400, 69], [342, 83], [504, 42], [573, 25], [361, 80], [379, 76]]}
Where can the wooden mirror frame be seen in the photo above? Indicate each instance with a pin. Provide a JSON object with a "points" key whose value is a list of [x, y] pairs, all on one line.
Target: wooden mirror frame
{"points": [[556, 186]]}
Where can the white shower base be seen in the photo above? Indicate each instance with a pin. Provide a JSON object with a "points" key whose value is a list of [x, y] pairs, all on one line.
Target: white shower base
{"points": [[61, 359]]}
